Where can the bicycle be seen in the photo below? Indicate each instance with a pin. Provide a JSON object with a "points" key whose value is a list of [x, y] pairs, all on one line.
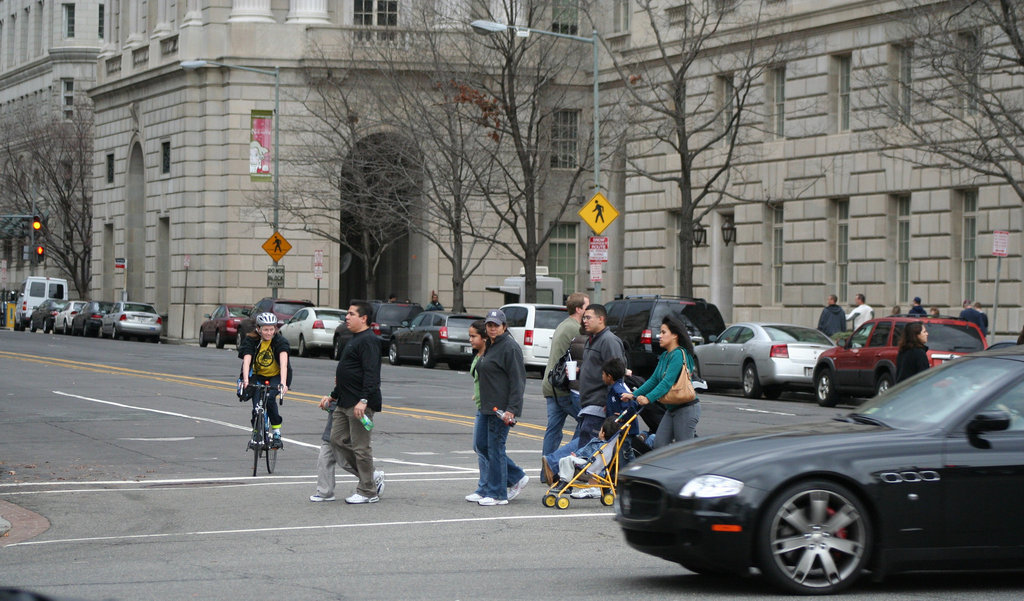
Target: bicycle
{"points": [[260, 442]]}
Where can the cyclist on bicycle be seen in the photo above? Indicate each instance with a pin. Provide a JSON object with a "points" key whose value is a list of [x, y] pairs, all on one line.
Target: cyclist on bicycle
{"points": [[265, 356]]}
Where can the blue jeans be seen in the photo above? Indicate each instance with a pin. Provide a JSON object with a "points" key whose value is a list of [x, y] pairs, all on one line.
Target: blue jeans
{"points": [[501, 471], [559, 408], [480, 446], [566, 450]]}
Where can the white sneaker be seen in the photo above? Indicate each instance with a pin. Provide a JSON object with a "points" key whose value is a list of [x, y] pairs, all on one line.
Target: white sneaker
{"points": [[473, 498], [378, 480], [358, 499], [518, 487], [317, 498], [488, 501], [587, 493]]}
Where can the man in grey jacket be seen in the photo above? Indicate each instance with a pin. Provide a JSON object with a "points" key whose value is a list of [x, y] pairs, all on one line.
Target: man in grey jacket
{"points": [[601, 346]]}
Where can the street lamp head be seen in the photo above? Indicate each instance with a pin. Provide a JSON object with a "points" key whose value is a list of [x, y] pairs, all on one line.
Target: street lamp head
{"points": [[191, 65], [487, 27]]}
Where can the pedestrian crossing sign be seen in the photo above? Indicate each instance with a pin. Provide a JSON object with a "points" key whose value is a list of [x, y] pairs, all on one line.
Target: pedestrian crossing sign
{"points": [[598, 213], [276, 246]]}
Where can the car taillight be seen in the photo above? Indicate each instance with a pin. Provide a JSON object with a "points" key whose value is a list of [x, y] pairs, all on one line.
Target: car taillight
{"points": [[528, 338], [376, 328], [443, 333], [73, 313], [96, 316], [123, 317], [318, 324], [645, 337], [54, 313], [159, 319], [779, 351], [234, 322]]}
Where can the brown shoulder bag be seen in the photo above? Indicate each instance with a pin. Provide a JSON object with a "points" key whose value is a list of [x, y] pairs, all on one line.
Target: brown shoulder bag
{"points": [[682, 391]]}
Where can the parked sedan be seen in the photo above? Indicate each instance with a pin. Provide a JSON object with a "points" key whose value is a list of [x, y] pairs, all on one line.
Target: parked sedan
{"points": [[221, 326], [763, 358], [915, 479], [62, 323], [90, 318], [45, 314], [311, 329], [126, 319], [433, 336]]}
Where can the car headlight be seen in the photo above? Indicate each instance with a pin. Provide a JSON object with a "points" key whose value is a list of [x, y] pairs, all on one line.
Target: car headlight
{"points": [[710, 486]]}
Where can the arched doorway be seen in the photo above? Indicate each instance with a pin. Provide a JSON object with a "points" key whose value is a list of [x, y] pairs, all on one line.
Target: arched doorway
{"points": [[135, 225], [379, 189]]}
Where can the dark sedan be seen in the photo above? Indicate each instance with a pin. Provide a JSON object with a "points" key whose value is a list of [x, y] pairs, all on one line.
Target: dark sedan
{"points": [[433, 336], [221, 326], [90, 319], [917, 478], [45, 314]]}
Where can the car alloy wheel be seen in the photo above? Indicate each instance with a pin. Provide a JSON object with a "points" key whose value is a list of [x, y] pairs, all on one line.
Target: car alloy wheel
{"points": [[303, 349], [815, 538], [427, 356], [751, 383], [393, 358], [218, 340], [824, 388], [883, 383], [202, 339]]}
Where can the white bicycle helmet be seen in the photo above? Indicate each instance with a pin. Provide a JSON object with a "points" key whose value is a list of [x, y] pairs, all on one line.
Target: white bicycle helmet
{"points": [[266, 319]]}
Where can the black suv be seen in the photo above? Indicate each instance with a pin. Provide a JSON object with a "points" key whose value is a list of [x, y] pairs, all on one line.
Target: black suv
{"points": [[283, 308], [636, 320], [386, 317]]}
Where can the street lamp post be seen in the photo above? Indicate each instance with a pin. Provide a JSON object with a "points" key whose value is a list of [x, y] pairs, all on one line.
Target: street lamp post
{"points": [[276, 73], [484, 27]]}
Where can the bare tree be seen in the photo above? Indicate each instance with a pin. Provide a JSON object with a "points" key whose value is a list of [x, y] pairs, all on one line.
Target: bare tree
{"points": [[46, 165], [691, 94], [952, 94], [352, 180]]}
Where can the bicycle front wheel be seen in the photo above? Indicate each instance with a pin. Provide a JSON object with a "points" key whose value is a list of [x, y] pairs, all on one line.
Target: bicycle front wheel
{"points": [[261, 434]]}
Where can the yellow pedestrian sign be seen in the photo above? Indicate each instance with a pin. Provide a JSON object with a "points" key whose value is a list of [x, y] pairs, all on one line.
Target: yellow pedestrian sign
{"points": [[276, 246], [598, 213]]}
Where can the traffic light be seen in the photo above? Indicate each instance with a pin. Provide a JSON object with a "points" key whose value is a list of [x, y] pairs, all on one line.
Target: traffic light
{"points": [[37, 223], [40, 253]]}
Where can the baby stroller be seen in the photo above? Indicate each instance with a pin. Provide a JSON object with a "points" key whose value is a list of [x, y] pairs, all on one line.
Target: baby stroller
{"points": [[601, 470]]}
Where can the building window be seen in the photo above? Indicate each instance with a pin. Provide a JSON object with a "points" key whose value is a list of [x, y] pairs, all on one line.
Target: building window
{"points": [[904, 81], [621, 12], [562, 254], [970, 236], [565, 17], [970, 65], [903, 248], [69, 21], [842, 249], [375, 13], [110, 168], [68, 97], [100, 31], [777, 102], [564, 137], [841, 69], [726, 104], [778, 224], [165, 157]]}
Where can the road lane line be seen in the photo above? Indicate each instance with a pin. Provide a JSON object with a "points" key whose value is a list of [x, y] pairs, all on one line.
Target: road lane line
{"points": [[130, 537], [764, 411]]}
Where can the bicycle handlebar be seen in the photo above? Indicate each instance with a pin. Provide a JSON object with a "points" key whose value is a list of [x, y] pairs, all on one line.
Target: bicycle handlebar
{"points": [[266, 386]]}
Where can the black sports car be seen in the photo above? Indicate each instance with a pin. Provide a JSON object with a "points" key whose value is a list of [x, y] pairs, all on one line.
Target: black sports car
{"points": [[922, 477]]}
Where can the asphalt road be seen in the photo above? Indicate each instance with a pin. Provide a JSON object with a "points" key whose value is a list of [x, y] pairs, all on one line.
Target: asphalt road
{"points": [[124, 474]]}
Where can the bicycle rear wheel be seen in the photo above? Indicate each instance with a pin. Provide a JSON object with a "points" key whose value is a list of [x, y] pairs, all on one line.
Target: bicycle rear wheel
{"points": [[271, 460]]}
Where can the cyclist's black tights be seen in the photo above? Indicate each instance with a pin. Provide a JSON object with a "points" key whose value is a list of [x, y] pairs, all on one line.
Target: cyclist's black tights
{"points": [[275, 415]]}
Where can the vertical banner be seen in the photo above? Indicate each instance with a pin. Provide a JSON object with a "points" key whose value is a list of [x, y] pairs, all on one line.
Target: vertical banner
{"points": [[261, 135]]}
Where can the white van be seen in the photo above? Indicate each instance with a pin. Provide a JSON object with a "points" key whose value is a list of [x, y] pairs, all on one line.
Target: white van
{"points": [[33, 291], [532, 325]]}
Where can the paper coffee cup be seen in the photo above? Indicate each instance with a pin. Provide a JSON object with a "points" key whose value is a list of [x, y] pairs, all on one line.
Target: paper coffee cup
{"points": [[570, 370]]}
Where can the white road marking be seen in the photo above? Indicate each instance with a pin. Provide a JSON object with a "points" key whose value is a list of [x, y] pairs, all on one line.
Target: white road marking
{"points": [[128, 537], [420, 453], [763, 411], [164, 439]]}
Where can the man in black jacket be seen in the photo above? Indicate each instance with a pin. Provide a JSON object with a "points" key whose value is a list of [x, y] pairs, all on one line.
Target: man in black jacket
{"points": [[832, 319], [357, 394]]}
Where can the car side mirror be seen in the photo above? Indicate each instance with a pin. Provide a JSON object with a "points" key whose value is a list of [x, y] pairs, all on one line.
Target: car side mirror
{"points": [[405, 323], [986, 421], [206, 315], [712, 339]]}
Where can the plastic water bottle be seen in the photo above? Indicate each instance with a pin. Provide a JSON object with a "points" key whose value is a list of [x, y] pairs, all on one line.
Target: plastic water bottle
{"points": [[501, 416], [239, 387], [367, 422]]}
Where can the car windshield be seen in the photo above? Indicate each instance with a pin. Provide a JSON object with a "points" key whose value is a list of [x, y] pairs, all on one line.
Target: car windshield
{"points": [[288, 309], [330, 315], [548, 319], [395, 314], [238, 311], [934, 394], [140, 307], [784, 333], [953, 337]]}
